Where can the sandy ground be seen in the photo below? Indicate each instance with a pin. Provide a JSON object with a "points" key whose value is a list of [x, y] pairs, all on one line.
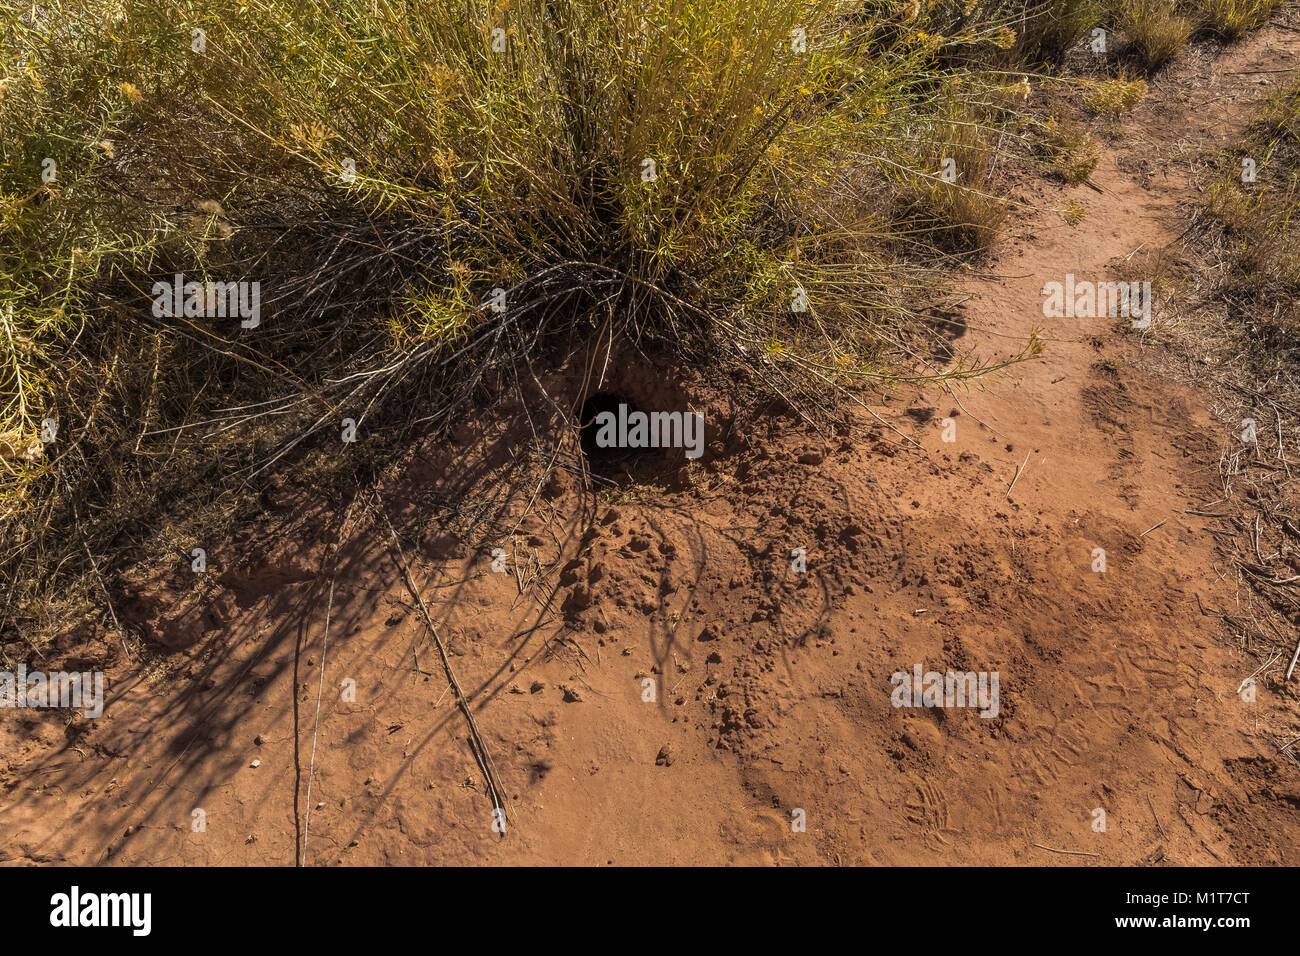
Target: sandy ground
{"points": [[771, 689]]}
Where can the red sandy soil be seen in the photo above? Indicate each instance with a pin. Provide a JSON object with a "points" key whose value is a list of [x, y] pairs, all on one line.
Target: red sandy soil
{"points": [[1116, 692]]}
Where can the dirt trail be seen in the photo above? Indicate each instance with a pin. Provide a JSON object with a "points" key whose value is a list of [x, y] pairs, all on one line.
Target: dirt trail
{"points": [[772, 689]]}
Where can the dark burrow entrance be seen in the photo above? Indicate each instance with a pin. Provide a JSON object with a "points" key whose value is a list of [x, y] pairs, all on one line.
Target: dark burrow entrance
{"points": [[606, 462], [619, 465]]}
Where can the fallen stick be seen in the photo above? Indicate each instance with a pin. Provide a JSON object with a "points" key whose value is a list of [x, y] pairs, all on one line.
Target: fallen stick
{"points": [[320, 684], [1155, 817], [108, 599], [1150, 529], [496, 791], [1208, 613], [1281, 443], [963, 408], [1069, 852], [1019, 471], [1268, 663]]}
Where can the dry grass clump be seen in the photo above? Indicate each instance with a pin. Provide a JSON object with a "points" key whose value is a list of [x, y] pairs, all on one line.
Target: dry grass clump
{"points": [[1155, 31], [1253, 208], [1071, 153], [433, 197], [1112, 97], [1232, 19], [1152, 32]]}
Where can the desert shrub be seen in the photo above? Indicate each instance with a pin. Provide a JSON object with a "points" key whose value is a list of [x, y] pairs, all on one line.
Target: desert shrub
{"points": [[1231, 19], [1155, 31], [432, 195], [1070, 152], [1257, 221], [1112, 97]]}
